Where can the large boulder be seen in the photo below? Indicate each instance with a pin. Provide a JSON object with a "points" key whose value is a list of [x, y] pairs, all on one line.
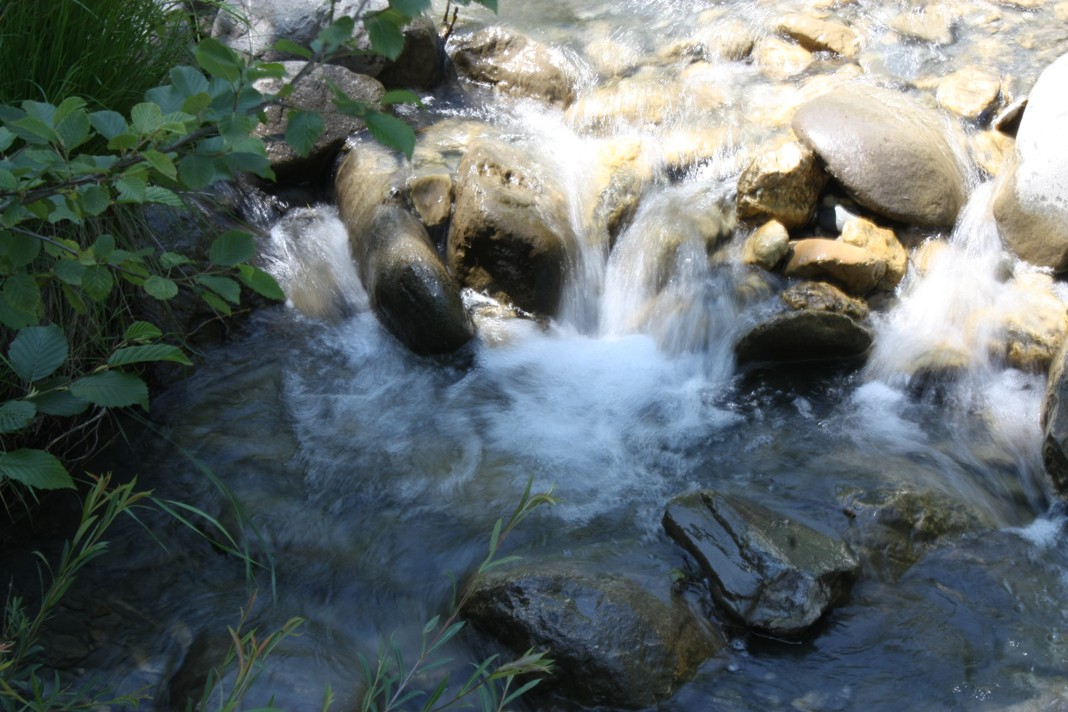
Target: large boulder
{"points": [[781, 185], [411, 292], [768, 570], [514, 64], [804, 335], [510, 235], [612, 643], [1031, 202], [314, 93], [894, 156]]}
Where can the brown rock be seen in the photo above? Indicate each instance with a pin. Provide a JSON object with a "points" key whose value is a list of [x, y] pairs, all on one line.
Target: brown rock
{"points": [[766, 247], [881, 242], [804, 335], [431, 195], [781, 60], [781, 185], [820, 35], [969, 92], [513, 64], [932, 23], [820, 296], [856, 269]]}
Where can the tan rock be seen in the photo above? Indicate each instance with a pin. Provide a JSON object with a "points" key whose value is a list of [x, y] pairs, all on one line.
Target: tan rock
{"points": [[1060, 12], [821, 296], [635, 101], [1032, 328], [514, 64], [682, 149], [855, 269], [969, 92], [932, 23], [1024, 4], [431, 196], [989, 150], [780, 60], [766, 247], [881, 242], [927, 254], [782, 185], [724, 37], [820, 35]]}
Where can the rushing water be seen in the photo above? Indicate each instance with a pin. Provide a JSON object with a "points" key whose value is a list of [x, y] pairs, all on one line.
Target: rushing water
{"points": [[365, 475]]}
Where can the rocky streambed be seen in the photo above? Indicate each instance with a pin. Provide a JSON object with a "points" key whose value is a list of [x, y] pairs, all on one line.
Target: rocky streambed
{"points": [[771, 295]]}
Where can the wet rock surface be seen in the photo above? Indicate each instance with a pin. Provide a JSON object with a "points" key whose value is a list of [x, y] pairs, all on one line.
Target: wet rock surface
{"points": [[768, 570], [804, 335], [891, 154], [781, 185], [514, 64], [855, 269], [611, 641]]}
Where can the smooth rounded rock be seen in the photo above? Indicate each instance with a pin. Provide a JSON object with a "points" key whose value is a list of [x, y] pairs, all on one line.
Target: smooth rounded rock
{"points": [[821, 296], [894, 156], [881, 242], [804, 335], [856, 269], [766, 247]]}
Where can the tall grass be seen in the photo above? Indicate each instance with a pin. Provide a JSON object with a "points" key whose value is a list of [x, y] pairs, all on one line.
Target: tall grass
{"points": [[105, 51]]}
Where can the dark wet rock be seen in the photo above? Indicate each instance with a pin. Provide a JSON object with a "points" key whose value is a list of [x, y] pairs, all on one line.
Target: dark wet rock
{"points": [[891, 529], [510, 231], [1055, 422], [314, 93], [768, 570], [612, 642], [820, 296], [421, 64], [1007, 121], [1031, 201], [804, 335], [781, 185], [411, 292], [514, 64], [892, 155], [855, 269]]}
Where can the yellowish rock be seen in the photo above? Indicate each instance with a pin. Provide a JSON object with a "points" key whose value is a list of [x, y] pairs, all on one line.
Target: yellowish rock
{"points": [[855, 269], [766, 247], [780, 60], [782, 185], [431, 195], [881, 242], [927, 254], [989, 149], [969, 92], [637, 101], [1029, 327], [1060, 12], [820, 35], [932, 23]]}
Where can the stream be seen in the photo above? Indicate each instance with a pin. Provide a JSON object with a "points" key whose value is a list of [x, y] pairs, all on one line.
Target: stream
{"points": [[366, 476]]}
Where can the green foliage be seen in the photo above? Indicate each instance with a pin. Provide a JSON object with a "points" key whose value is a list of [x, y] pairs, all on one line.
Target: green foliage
{"points": [[389, 683]]}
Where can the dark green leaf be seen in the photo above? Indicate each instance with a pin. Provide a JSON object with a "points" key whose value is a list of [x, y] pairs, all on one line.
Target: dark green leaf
{"points": [[160, 288], [97, 282], [161, 162], [74, 299], [196, 103], [20, 249], [33, 130], [6, 138], [35, 468], [188, 81], [69, 271], [163, 196], [225, 287], [40, 110], [111, 389], [146, 117], [197, 172], [73, 130], [290, 47], [216, 303], [131, 189], [170, 260], [303, 129], [384, 30], [148, 353], [103, 246], [391, 132], [108, 124], [245, 162], [232, 247], [260, 282], [21, 293], [95, 199], [16, 415], [334, 35], [8, 180], [13, 318], [37, 351], [411, 8], [168, 100], [60, 402], [218, 60], [123, 142], [142, 331]]}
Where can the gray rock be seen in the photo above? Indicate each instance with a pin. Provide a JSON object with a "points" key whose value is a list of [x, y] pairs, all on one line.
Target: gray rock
{"points": [[1031, 202], [771, 572], [804, 335], [1055, 423], [313, 93], [894, 156], [421, 65], [411, 292], [612, 642], [821, 296], [510, 232], [513, 64]]}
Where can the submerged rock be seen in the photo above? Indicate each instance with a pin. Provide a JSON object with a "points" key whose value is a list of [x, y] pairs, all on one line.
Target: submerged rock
{"points": [[1031, 202], [768, 570], [612, 642], [804, 335], [1055, 423], [820, 35], [510, 232], [893, 155], [513, 64]]}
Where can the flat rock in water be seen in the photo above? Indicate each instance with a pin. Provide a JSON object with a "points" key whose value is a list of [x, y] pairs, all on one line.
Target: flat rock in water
{"points": [[892, 155], [770, 571], [612, 642], [804, 335], [1031, 202]]}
